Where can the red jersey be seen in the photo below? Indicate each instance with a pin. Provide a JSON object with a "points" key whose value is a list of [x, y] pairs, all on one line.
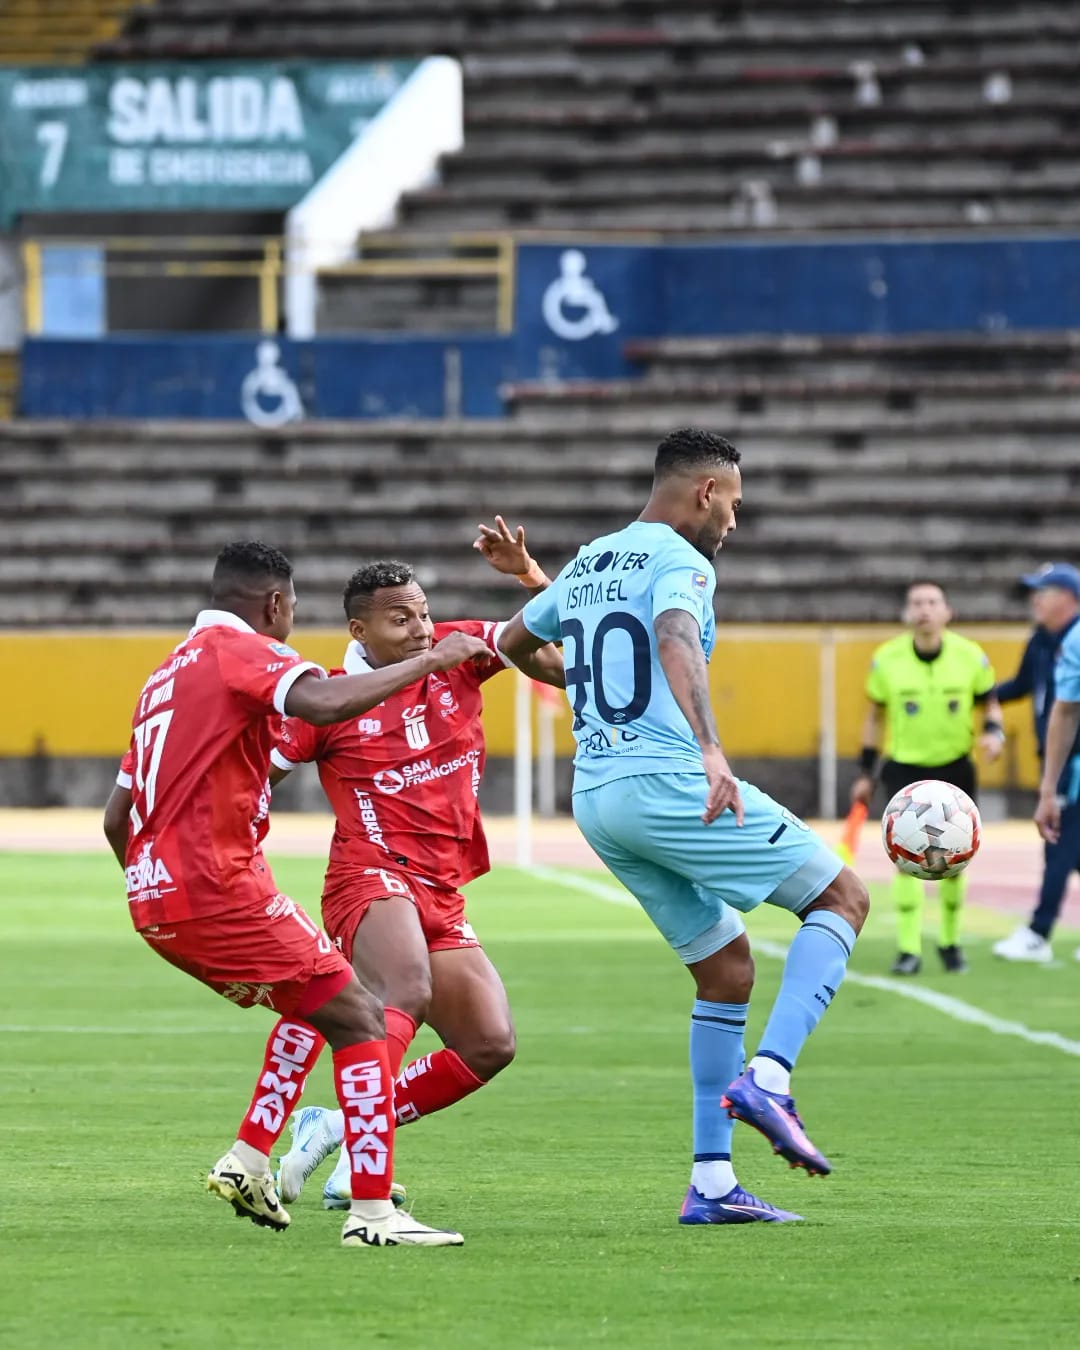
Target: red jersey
{"points": [[197, 766], [402, 779]]}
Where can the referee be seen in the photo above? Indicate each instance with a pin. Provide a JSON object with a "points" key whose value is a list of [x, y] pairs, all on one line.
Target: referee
{"points": [[924, 685]]}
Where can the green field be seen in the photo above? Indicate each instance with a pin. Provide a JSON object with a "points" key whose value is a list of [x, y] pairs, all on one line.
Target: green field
{"points": [[951, 1218]]}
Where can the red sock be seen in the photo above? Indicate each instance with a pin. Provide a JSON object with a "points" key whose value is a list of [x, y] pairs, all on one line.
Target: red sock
{"points": [[365, 1089], [291, 1051], [431, 1083], [400, 1029]]}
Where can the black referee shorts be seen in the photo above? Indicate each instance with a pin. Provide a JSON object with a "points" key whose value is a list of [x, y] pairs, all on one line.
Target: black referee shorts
{"points": [[960, 773]]}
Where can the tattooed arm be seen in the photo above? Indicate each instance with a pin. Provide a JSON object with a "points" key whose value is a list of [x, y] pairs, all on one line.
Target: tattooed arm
{"points": [[678, 640]]}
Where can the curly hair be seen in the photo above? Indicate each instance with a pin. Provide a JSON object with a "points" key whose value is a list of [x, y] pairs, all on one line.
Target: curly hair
{"points": [[372, 577]]}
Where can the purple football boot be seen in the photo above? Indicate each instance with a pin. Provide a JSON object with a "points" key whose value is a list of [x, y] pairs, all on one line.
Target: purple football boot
{"points": [[738, 1206], [774, 1116]]}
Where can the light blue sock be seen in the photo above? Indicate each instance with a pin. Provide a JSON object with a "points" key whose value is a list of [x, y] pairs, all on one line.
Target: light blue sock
{"points": [[815, 966], [716, 1059]]}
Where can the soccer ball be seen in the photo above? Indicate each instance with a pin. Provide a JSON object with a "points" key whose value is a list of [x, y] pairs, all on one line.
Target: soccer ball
{"points": [[931, 830]]}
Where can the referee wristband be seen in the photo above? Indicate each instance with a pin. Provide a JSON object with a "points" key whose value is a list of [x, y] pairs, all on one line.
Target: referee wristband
{"points": [[992, 728], [868, 760]]}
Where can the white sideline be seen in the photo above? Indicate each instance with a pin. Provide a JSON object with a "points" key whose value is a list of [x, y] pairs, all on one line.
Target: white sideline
{"points": [[942, 1003]]}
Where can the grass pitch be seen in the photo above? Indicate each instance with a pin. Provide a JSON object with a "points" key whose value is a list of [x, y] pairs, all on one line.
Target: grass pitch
{"points": [[950, 1220]]}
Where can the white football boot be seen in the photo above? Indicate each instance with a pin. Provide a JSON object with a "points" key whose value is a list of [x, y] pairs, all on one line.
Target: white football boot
{"points": [[337, 1193], [313, 1140], [390, 1227], [252, 1196], [1024, 945]]}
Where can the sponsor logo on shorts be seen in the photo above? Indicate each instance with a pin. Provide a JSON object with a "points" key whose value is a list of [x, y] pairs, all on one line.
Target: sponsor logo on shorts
{"points": [[248, 995], [468, 933], [148, 878]]}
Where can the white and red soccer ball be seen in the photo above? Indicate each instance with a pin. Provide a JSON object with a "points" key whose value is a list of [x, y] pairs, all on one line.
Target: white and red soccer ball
{"points": [[931, 829]]}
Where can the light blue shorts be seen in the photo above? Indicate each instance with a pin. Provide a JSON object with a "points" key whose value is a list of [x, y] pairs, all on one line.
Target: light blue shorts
{"points": [[693, 879]]}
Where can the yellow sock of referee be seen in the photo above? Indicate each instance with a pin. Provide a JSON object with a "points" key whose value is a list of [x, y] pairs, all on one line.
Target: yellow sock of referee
{"points": [[951, 891], [907, 895]]}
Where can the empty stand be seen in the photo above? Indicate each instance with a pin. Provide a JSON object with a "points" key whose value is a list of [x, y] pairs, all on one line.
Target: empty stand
{"points": [[56, 32], [694, 117], [867, 461]]}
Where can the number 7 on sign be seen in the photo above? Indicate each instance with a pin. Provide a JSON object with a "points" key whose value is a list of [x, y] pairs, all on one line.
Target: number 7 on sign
{"points": [[54, 137]]}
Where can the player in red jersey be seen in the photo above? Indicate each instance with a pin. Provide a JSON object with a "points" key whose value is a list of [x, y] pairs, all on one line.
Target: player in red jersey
{"points": [[185, 821], [403, 783]]}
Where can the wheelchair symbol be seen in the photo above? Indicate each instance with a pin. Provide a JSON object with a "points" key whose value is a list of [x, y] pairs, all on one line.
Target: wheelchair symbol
{"points": [[268, 396], [573, 291]]}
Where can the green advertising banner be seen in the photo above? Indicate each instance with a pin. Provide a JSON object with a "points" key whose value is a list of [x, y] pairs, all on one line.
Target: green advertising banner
{"points": [[209, 136]]}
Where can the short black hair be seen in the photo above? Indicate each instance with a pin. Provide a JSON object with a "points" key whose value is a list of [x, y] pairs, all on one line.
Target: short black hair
{"points": [[248, 568], [372, 577], [689, 450], [924, 581]]}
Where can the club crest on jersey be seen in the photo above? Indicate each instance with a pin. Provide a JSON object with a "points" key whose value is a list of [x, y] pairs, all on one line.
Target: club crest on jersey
{"points": [[388, 781], [416, 733]]}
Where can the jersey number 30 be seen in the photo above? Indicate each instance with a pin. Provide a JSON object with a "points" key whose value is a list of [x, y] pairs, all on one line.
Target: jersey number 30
{"points": [[580, 675]]}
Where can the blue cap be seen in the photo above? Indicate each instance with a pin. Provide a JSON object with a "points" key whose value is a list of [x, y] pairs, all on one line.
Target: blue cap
{"points": [[1055, 574]]}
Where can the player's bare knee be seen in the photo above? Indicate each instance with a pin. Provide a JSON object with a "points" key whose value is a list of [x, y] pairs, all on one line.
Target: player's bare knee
{"points": [[728, 975], [846, 896], [491, 1052], [411, 992]]}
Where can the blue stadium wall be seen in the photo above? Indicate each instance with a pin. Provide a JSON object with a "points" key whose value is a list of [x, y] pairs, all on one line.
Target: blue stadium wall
{"points": [[862, 286]]}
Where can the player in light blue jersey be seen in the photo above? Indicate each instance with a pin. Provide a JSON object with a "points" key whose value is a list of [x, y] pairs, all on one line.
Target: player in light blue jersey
{"points": [[655, 797]]}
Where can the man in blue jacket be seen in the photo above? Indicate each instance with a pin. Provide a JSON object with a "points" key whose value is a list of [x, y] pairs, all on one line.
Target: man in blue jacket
{"points": [[1055, 607]]}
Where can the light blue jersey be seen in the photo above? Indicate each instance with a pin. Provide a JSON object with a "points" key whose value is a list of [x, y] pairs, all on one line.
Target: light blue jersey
{"points": [[639, 782], [602, 606], [1067, 671]]}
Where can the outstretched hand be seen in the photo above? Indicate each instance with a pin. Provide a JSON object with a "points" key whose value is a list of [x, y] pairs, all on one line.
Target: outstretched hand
{"points": [[504, 551]]}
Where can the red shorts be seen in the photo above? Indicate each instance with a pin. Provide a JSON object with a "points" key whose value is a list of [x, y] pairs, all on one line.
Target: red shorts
{"points": [[349, 895], [270, 953]]}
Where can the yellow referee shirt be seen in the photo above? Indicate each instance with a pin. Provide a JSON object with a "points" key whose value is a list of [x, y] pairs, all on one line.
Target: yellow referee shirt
{"points": [[929, 703]]}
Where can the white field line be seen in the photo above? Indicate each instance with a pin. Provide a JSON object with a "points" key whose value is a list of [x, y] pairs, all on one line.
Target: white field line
{"points": [[942, 1003]]}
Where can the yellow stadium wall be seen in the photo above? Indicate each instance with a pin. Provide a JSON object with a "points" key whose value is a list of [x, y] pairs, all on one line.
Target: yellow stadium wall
{"points": [[71, 693]]}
